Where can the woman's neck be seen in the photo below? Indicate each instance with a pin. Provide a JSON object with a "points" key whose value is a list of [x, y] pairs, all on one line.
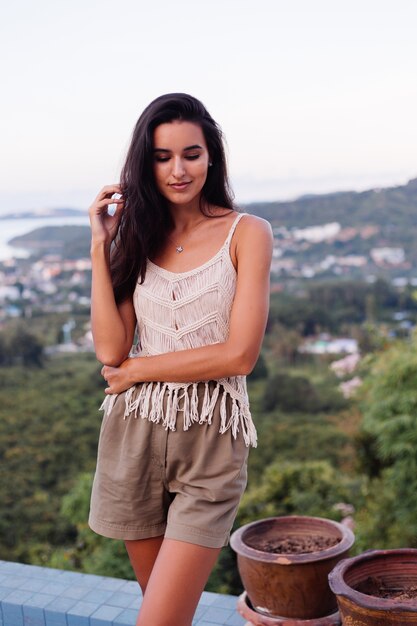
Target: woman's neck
{"points": [[186, 217]]}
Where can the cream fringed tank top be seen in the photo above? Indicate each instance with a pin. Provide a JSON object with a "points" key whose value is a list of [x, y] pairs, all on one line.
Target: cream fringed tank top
{"points": [[181, 310]]}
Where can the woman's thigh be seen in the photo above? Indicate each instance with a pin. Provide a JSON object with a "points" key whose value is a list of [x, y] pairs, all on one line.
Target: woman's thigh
{"points": [[176, 582], [142, 554]]}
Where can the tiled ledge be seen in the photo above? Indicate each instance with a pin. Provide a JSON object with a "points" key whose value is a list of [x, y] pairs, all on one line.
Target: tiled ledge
{"points": [[41, 596]]}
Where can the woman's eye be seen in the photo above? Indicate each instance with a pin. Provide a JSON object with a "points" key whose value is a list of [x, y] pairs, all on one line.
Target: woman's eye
{"points": [[192, 157], [161, 159]]}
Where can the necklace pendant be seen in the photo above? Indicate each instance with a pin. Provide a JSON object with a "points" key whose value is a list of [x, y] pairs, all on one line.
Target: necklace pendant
{"points": [[179, 249]]}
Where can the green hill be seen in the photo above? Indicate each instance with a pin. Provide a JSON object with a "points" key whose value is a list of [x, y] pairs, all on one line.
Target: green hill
{"points": [[391, 208], [70, 241]]}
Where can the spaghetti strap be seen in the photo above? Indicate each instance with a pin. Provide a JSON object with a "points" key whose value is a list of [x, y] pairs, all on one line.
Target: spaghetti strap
{"points": [[232, 229]]}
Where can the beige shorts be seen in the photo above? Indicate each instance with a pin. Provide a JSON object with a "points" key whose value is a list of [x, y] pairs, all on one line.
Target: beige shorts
{"points": [[149, 481]]}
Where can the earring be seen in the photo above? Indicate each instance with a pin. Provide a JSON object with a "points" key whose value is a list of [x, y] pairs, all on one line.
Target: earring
{"points": [[210, 163]]}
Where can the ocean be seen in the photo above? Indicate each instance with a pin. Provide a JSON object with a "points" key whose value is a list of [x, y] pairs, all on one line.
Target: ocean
{"points": [[10, 228]]}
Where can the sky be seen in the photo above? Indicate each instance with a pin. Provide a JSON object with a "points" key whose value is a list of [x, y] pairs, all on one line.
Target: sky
{"points": [[312, 96]]}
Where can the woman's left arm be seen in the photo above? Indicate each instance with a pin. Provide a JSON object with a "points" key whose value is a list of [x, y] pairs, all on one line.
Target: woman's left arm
{"points": [[238, 354]]}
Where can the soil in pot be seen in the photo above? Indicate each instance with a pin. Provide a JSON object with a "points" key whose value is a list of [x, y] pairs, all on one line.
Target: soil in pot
{"points": [[377, 587], [294, 545]]}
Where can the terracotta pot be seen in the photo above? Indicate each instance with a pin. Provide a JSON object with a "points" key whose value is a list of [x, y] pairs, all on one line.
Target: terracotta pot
{"points": [[394, 569], [246, 610], [290, 585]]}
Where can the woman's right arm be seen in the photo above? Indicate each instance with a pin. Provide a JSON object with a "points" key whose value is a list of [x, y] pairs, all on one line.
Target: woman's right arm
{"points": [[113, 325]]}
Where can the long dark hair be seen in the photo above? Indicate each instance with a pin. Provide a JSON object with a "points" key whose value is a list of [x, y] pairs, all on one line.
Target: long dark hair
{"points": [[146, 220]]}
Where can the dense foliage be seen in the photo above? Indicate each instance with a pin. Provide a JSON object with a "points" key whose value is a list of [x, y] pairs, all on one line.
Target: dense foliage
{"points": [[49, 425], [387, 448]]}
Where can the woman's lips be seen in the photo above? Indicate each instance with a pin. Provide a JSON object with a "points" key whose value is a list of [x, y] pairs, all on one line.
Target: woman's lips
{"points": [[179, 186]]}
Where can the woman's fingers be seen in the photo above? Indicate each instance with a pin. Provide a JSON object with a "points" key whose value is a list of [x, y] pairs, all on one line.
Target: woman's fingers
{"points": [[108, 190], [110, 194], [105, 213], [106, 370], [98, 206]]}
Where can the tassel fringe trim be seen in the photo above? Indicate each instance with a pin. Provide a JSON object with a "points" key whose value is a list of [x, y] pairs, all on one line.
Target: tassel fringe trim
{"points": [[161, 402]]}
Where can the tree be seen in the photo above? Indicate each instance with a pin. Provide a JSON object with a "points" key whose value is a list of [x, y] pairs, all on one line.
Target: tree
{"points": [[21, 347], [297, 488], [289, 393], [387, 444]]}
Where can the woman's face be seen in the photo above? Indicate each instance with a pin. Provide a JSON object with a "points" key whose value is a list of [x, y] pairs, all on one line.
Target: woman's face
{"points": [[180, 161]]}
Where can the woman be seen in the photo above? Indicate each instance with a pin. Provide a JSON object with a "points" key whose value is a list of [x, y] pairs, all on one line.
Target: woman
{"points": [[180, 265]]}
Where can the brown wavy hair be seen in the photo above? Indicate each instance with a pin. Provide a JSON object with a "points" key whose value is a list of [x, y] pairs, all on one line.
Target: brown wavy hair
{"points": [[146, 219]]}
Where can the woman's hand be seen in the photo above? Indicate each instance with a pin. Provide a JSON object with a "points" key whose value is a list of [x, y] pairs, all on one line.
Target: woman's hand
{"points": [[119, 378], [104, 226]]}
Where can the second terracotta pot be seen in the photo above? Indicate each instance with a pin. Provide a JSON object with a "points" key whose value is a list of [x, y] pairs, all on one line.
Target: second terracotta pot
{"points": [[355, 582]]}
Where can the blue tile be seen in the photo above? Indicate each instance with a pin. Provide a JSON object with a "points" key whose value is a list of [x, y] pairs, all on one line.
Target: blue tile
{"points": [[78, 615], [225, 602], [12, 607], [104, 615], [208, 598], [120, 599], [91, 580], [207, 624], [236, 620], [126, 618], [77, 620], [199, 612], [136, 602], [77, 592], [111, 583], [69, 577], [56, 589], [218, 616], [43, 572], [9, 566], [33, 616], [33, 584], [14, 582], [131, 586], [83, 609], [100, 596], [18, 597], [40, 600], [55, 611], [14, 620], [4, 592]]}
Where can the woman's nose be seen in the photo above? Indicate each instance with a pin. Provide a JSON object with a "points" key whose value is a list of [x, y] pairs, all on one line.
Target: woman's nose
{"points": [[178, 168]]}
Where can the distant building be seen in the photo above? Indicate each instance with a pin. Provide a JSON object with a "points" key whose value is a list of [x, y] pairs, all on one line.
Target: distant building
{"points": [[326, 345], [9, 293], [352, 260], [388, 256], [315, 234]]}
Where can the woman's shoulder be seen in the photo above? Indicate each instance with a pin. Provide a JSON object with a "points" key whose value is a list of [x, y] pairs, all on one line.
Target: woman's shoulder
{"points": [[253, 236], [251, 225]]}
